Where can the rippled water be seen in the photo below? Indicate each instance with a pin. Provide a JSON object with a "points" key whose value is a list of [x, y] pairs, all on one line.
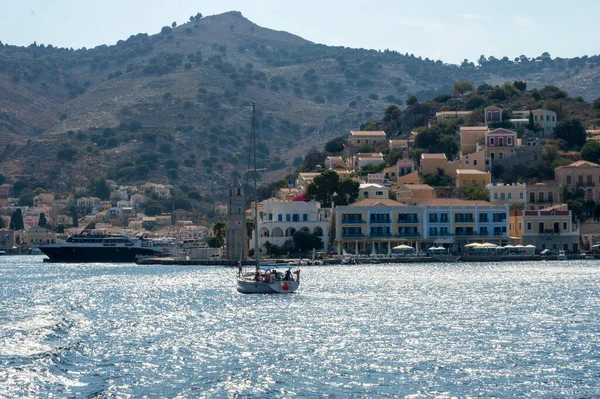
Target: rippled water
{"points": [[528, 329]]}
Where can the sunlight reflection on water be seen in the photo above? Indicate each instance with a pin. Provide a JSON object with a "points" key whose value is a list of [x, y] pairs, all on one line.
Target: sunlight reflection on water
{"points": [[422, 330]]}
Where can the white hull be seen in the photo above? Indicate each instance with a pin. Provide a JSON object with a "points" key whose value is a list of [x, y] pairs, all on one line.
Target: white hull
{"points": [[247, 285]]}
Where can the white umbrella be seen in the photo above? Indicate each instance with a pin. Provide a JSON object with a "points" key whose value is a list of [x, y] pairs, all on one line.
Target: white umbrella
{"points": [[509, 246], [488, 245], [529, 246], [403, 247], [520, 246], [473, 245]]}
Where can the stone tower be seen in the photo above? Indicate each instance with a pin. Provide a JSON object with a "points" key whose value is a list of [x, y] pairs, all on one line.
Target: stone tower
{"points": [[237, 236]]}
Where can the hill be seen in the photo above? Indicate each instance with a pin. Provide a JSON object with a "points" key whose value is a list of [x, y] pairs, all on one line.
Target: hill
{"points": [[175, 107]]}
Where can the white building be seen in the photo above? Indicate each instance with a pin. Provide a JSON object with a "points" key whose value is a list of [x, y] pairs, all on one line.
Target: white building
{"points": [[280, 220], [507, 193]]}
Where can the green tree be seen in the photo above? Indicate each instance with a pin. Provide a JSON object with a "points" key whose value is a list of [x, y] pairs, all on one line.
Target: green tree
{"points": [[305, 242], [16, 220], [591, 151], [42, 222], [347, 192], [335, 146], [476, 193], [2, 179], [99, 188], [323, 187], [571, 131], [220, 230], [462, 88], [412, 100]]}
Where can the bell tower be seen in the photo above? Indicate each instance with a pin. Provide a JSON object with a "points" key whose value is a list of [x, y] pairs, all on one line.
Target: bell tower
{"points": [[236, 240]]}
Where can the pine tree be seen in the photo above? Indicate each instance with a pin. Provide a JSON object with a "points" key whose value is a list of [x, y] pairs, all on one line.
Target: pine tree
{"points": [[42, 221], [16, 220]]}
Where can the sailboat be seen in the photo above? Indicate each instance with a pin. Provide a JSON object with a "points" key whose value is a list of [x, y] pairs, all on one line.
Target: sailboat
{"points": [[261, 281]]}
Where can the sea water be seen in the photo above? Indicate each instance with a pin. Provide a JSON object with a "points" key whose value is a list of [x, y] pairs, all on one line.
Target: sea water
{"points": [[523, 329]]}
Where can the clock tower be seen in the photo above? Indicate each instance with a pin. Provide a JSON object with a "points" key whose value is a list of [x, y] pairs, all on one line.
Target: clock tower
{"points": [[237, 236]]}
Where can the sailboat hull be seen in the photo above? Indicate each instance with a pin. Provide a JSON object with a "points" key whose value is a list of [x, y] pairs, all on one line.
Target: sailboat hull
{"points": [[259, 287]]}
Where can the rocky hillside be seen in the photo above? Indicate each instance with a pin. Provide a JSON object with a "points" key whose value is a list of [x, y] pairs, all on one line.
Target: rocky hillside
{"points": [[175, 107]]}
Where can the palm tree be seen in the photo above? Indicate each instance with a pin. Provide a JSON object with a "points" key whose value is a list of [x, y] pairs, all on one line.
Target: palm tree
{"points": [[220, 229]]}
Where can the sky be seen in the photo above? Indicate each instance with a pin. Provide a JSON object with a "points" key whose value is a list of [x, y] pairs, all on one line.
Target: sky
{"points": [[437, 29]]}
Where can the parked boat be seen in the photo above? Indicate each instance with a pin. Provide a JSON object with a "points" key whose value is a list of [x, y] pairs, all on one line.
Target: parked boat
{"points": [[562, 255], [98, 247], [261, 281]]}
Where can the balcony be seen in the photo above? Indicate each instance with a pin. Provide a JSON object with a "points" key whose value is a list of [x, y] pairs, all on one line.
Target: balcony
{"points": [[440, 234], [380, 235], [499, 220], [484, 220], [352, 221], [376, 221], [352, 235], [465, 233], [549, 232], [406, 221], [464, 220], [500, 233], [409, 234]]}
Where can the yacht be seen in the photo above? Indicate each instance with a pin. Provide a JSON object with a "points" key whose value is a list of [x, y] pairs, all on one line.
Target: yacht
{"points": [[99, 247]]}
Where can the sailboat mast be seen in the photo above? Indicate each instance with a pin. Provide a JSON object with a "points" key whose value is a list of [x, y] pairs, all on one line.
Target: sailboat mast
{"points": [[253, 149]]}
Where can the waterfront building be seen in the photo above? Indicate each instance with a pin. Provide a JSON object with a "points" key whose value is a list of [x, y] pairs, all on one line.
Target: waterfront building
{"points": [[279, 220], [376, 226], [548, 228]]}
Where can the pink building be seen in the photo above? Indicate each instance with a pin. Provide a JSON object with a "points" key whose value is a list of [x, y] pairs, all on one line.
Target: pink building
{"points": [[500, 143]]}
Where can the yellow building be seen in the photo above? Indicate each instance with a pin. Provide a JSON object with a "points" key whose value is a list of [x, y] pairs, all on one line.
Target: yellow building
{"points": [[580, 174], [430, 163], [475, 160], [472, 177], [470, 137], [359, 138], [415, 194], [548, 228]]}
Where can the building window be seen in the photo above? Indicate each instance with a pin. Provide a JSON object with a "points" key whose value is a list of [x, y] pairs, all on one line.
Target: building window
{"points": [[305, 217], [495, 195], [288, 217], [502, 197], [357, 141], [366, 194], [529, 226], [280, 217], [474, 162], [491, 141], [565, 226], [474, 182], [519, 226], [520, 195], [568, 179], [501, 155], [483, 182], [500, 142], [509, 140], [464, 182]]}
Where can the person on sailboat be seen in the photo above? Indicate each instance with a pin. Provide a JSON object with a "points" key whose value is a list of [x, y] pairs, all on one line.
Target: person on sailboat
{"points": [[239, 263], [288, 275]]}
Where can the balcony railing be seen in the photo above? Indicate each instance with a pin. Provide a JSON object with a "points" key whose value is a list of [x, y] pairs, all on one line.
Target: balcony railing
{"points": [[484, 220], [499, 233], [498, 220], [465, 233], [352, 235], [410, 234], [352, 221], [440, 234], [550, 232], [380, 221], [408, 220], [379, 235], [464, 220]]}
